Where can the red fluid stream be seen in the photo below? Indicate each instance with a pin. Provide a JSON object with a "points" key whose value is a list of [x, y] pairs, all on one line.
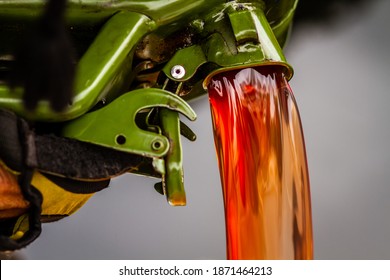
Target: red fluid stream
{"points": [[263, 167]]}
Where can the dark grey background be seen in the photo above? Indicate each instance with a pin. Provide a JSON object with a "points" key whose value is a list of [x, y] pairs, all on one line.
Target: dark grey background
{"points": [[342, 86]]}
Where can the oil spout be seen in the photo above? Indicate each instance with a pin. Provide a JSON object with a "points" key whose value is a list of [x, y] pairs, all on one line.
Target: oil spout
{"points": [[259, 140]]}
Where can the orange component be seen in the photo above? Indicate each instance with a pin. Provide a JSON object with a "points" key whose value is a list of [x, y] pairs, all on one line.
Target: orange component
{"points": [[263, 167], [12, 202]]}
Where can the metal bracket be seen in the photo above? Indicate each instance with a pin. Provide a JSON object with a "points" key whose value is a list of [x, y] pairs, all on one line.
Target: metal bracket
{"points": [[114, 125]]}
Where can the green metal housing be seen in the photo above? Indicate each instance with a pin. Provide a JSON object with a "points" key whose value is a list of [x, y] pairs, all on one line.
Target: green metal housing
{"points": [[139, 55]]}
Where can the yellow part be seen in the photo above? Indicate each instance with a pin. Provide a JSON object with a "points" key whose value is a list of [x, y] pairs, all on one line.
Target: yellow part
{"points": [[56, 200], [21, 227]]}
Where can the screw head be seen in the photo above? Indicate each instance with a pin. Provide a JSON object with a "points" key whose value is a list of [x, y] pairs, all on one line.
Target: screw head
{"points": [[178, 71]]}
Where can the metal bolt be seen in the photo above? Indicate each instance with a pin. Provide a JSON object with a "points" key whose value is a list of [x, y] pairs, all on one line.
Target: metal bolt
{"points": [[157, 145], [178, 71]]}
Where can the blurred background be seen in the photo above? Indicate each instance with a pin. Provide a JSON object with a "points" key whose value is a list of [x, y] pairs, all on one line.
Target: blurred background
{"points": [[342, 86]]}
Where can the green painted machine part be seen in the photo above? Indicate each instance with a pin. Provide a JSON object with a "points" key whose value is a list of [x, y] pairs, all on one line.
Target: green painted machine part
{"points": [[102, 72], [173, 183], [114, 126], [139, 60], [249, 41]]}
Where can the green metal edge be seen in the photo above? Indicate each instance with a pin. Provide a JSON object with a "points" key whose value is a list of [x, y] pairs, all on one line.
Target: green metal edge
{"points": [[115, 125], [227, 55]]}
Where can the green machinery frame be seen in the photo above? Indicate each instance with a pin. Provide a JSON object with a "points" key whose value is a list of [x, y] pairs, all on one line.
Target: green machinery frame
{"points": [[147, 58]]}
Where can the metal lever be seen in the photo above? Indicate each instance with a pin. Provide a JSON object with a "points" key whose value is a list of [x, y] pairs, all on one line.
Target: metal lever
{"points": [[173, 183], [114, 125]]}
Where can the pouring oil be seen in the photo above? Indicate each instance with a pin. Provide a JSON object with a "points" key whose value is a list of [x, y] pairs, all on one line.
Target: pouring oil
{"points": [[262, 161]]}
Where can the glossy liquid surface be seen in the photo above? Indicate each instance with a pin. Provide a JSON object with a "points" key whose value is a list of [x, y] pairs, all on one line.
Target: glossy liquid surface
{"points": [[263, 167]]}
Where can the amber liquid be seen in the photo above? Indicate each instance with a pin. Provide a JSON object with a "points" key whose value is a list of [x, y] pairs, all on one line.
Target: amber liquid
{"points": [[263, 167]]}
